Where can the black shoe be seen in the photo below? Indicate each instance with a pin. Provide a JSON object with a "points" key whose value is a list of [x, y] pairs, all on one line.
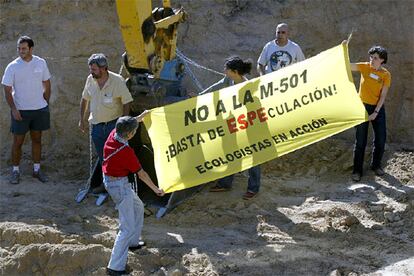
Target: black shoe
{"points": [[356, 177], [40, 175], [378, 172], [140, 245], [115, 272]]}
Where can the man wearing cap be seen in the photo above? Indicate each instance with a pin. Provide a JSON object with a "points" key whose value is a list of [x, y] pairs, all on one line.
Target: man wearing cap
{"points": [[26, 82], [108, 98]]}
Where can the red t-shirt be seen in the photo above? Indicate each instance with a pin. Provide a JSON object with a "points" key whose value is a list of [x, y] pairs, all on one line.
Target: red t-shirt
{"points": [[123, 162]]}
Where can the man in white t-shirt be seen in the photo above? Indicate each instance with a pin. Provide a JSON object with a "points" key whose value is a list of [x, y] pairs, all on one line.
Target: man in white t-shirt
{"points": [[279, 53], [26, 82]]}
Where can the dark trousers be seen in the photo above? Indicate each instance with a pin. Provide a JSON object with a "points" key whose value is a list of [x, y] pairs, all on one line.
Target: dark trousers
{"points": [[100, 133], [380, 134], [253, 182]]}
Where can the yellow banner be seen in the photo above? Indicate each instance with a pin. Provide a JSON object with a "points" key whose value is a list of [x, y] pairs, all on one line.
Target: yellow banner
{"points": [[218, 134]]}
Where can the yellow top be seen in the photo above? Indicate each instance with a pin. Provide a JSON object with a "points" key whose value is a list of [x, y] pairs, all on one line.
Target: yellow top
{"points": [[106, 104], [372, 82]]}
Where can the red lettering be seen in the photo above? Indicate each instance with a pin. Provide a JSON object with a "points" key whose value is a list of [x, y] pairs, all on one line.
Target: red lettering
{"points": [[242, 121], [251, 115], [261, 114], [231, 123]]}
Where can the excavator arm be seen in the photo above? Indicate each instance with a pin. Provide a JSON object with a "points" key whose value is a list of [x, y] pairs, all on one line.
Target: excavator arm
{"points": [[150, 36]]}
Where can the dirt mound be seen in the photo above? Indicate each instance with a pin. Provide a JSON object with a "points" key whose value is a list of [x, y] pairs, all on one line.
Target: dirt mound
{"points": [[308, 219]]}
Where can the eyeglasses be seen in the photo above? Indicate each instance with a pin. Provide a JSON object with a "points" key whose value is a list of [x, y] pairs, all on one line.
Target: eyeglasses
{"points": [[281, 32]]}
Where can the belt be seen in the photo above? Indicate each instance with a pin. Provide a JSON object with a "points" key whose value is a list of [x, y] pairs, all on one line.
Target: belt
{"points": [[114, 178], [106, 123]]}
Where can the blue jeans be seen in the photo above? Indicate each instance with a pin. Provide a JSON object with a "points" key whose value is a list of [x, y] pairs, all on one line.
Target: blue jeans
{"points": [[253, 182], [131, 219], [380, 134], [100, 133]]}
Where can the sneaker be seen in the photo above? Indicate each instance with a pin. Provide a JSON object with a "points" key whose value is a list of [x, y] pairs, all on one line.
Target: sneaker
{"points": [[15, 177], [140, 245], [378, 172], [356, 177], [249, 195], [40, 175], [115, 272]]}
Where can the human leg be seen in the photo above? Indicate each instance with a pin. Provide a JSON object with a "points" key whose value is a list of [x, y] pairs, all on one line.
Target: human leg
{"points": [[223, 184], [380, 135], [18, 141], [124, 200], [98, 139], [139, 220], [254, 179], [36, 137], [359, 147]]}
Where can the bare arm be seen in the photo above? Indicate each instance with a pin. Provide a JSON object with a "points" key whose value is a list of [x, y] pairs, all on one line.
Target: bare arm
{"points": [[380, 103], [260, 69], [125, 109], [141, 116], [147, 180], [10, 102], [83, 107], [354, 67], [47, 91]]}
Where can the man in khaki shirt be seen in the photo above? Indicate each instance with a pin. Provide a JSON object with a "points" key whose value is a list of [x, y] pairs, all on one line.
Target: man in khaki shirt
{"points": [[108, 98]]}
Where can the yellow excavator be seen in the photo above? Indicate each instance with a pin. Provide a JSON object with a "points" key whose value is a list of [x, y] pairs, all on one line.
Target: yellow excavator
{"points": [[150, 37], [154, 79]]}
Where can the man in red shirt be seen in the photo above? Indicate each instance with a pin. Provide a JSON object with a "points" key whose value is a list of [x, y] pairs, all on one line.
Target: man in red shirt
{"points": [[119, 161]]}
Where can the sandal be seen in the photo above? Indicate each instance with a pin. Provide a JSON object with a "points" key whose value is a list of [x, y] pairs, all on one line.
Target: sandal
{"points": [[249, 195], [219, 189]]}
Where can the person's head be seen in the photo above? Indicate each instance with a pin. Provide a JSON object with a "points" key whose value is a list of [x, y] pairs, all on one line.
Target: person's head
{"points": [[98, 65], [377, 56], [25, 47], [235, 67], [126, 127], [282, 33]]}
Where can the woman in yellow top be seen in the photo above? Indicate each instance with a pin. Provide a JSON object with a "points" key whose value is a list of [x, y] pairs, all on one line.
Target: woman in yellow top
{"points": [[373, 89]]}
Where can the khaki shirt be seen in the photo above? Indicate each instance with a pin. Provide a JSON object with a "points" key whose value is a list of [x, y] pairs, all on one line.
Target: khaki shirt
{"points": [[106, 104]]}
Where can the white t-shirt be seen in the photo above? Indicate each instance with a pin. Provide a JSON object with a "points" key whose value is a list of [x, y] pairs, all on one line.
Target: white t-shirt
{"points": [[26, 79], [275, 57]]}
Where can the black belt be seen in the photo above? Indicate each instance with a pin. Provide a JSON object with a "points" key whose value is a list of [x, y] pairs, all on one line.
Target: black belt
{"points": [[107, 123]]}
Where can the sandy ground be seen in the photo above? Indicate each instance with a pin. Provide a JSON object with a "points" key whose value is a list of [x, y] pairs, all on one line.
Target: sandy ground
{"points": [[309, 219]]}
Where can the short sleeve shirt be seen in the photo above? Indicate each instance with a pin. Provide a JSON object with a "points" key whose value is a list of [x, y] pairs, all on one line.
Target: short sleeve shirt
{"points": [[123, 162], [106, 104], [26, 80], [372, 82], [275, 57]]}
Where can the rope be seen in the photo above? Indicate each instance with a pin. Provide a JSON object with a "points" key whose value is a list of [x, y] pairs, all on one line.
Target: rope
{"points": [[192, 62], [188, 70], [192, 76], [90, 153]]}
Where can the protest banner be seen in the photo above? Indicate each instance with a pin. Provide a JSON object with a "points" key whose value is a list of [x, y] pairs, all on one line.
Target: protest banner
{"points": [[221, 133]]}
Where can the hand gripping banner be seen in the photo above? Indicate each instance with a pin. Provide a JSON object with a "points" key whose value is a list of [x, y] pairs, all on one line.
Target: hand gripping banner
{"points": [[221, 133]]}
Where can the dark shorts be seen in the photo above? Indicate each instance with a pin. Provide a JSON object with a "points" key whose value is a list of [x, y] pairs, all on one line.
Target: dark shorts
{"points": [[37, 120]]}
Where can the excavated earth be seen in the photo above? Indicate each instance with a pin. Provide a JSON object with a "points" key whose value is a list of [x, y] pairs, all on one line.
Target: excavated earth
{"points": [[309, 217]]}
